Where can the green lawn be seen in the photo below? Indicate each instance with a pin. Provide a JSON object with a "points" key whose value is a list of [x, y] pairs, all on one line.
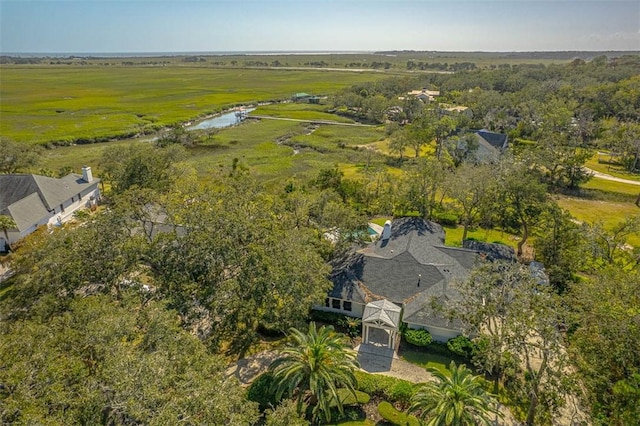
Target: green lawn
{"points": [[608, 213], [602, 163], [425, 359], [605, 185], [454, 236], [300, 111]]}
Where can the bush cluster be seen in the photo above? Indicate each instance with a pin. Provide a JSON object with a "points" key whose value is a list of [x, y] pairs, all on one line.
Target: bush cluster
{"points": [[461, 346], [392, 389], [418, 337]]}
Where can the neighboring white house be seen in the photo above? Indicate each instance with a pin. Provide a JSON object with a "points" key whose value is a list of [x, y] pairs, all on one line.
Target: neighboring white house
{"points": [[425, 95], [408, 267], [491, 145], [33, 200]]}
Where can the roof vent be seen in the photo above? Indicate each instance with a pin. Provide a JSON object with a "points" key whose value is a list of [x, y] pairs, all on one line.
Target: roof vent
{"points": [[386, 231], [87, 176]]}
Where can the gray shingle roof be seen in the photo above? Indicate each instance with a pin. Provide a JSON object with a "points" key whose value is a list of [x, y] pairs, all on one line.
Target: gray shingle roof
{"points": [[382, 311], [496, 140], [25, 196], [27, 211], [492, 251], [415, 253], [412, 261], [419, 310]]}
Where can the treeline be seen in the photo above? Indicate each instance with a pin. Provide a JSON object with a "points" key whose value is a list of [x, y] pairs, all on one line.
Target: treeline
{"points": [[569, 109]]}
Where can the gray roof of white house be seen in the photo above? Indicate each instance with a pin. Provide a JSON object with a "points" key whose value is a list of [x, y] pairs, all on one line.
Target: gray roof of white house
{"points": [[382, 311], [28, 198], [405, 269], [497, 140], [413, 259]]}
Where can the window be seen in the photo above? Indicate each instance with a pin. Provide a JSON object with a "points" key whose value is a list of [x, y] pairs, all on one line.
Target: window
{"points": [[326, 302], [346, 306], [335, 303]]}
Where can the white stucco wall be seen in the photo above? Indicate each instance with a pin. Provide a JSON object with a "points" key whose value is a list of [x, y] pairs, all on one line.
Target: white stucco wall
{"points": [[437, 333], [357, 309], [69, 207]]}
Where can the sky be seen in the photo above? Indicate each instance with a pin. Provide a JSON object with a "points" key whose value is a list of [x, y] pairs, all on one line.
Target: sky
{"points": [[135, 26]]}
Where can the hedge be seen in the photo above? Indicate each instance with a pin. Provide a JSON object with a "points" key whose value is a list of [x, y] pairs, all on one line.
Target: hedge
{"points": [[461, 346], [418, 337], [389, 388], [396, 417]]}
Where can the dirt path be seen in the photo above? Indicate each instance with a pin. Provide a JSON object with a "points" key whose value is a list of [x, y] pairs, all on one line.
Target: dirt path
{"points": [[336, 123], [611, 178]]}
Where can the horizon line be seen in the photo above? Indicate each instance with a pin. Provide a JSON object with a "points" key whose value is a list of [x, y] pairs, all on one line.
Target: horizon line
{"points": [[291, 52]]}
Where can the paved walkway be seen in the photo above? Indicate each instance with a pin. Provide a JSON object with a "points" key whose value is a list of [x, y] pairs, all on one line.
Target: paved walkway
{"points": [[384, 361], [611, 178]]}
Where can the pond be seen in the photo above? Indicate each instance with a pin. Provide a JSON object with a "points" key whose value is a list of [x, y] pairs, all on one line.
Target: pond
{"points": [[223, 120]]}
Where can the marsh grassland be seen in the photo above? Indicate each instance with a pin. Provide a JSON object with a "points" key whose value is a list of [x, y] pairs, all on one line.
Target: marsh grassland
{"points": [[65, 104]]}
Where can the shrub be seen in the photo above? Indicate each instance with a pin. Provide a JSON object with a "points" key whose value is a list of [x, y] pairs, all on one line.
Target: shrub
{"points": [[326, 317], [401, 392], [396, 417], [260, 391], [418, 337], [461, 345], [347, 398], [389, 388], [448, 219], [351, 325]]}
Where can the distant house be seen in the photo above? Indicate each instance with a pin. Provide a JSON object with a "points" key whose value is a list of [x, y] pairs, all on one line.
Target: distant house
{"points": [[487, 146], [424, 95], [448, 109], [395, 279], [305, 97], [301, 97], [491, 145], [33, 201]]}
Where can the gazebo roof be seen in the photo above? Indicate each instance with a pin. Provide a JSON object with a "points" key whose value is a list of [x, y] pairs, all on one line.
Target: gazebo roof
{"points": [[382, 312]]}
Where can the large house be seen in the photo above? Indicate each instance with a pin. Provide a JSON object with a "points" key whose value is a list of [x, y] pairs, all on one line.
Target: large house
{"points": [[33, 201], [395, 280]]}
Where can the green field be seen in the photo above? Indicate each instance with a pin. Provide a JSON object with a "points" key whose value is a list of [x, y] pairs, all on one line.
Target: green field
{"points": [[66, 104], [300, 111], [270, 149], [607, 213], [610, 186], [601, 162]]}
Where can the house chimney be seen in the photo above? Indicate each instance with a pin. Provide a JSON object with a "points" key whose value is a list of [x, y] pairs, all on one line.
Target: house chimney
{"points": [[87, 176], [386, 231]]}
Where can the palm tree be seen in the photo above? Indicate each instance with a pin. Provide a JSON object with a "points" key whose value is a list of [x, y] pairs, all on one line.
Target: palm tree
{"points": [[455, 399], [6, 223], [313, 366]]}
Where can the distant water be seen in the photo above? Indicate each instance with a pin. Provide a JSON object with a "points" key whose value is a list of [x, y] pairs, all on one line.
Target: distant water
{"points": [[223, 120], [165, 54]]}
